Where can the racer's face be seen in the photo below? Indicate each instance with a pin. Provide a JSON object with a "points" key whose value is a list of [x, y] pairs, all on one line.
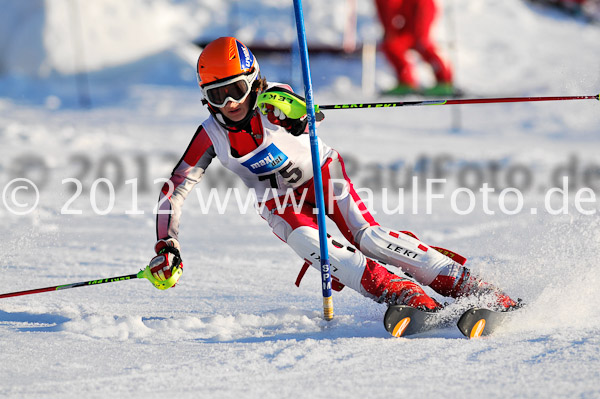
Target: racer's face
{"points": [[236, 111]]}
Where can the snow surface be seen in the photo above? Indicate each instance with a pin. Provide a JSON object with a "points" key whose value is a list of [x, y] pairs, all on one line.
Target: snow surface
{"points": [[235, 326]]}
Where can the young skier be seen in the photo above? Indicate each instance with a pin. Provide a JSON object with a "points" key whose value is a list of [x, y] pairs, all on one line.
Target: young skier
{"points": [[270, 152]]}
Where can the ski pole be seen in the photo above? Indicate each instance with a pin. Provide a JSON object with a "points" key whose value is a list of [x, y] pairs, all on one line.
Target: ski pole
{"points": [[144, 273], [316, 163], [394, 104]]}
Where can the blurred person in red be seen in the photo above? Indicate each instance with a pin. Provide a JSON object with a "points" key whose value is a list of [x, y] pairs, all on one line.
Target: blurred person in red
{"points": [[407, 25]]}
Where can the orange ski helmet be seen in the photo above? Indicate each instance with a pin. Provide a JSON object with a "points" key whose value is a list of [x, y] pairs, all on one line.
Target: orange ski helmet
{"points": [[224, 58], [227, 71]]}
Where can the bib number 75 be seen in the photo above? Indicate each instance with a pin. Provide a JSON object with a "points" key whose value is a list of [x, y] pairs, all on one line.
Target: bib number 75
{"points": [[291, 175]]}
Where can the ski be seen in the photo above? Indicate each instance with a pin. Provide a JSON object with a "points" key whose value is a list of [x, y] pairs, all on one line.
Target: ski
{"points": [[479, 322], [402, 320]]}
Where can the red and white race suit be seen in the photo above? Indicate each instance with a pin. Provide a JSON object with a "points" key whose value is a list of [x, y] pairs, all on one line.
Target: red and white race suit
{"points": [[268, 157]]}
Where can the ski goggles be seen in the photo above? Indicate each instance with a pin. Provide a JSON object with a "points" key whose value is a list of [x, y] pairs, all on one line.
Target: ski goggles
{"points": [[235, 89]]}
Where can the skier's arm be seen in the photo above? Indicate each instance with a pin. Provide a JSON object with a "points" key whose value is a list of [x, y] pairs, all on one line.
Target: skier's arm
{"points": [[185, 176]]}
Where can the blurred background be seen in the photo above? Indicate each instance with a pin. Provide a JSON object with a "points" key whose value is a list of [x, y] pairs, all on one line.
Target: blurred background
{"points": [[72, 52]]}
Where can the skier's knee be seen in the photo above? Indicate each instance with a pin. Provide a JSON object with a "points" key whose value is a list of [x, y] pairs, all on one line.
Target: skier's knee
{"points": [[403, 250], [347, 264]]}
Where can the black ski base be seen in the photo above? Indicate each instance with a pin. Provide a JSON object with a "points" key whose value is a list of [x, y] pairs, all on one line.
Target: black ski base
{"points": [[479, 322], [402, 320]]}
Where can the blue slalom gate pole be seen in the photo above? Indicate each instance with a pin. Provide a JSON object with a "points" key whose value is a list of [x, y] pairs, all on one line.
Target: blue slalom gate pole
{"points": [[316, 162]]}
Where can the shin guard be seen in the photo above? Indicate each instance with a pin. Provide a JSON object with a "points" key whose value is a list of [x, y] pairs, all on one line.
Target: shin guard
{"points": [[404, 251]]}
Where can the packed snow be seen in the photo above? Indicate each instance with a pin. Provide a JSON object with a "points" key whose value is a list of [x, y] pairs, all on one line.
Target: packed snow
{"points": [[115, 106]]}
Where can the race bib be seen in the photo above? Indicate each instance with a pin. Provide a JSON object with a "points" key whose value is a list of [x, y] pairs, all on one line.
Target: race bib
{"points": [[268, 160]]}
